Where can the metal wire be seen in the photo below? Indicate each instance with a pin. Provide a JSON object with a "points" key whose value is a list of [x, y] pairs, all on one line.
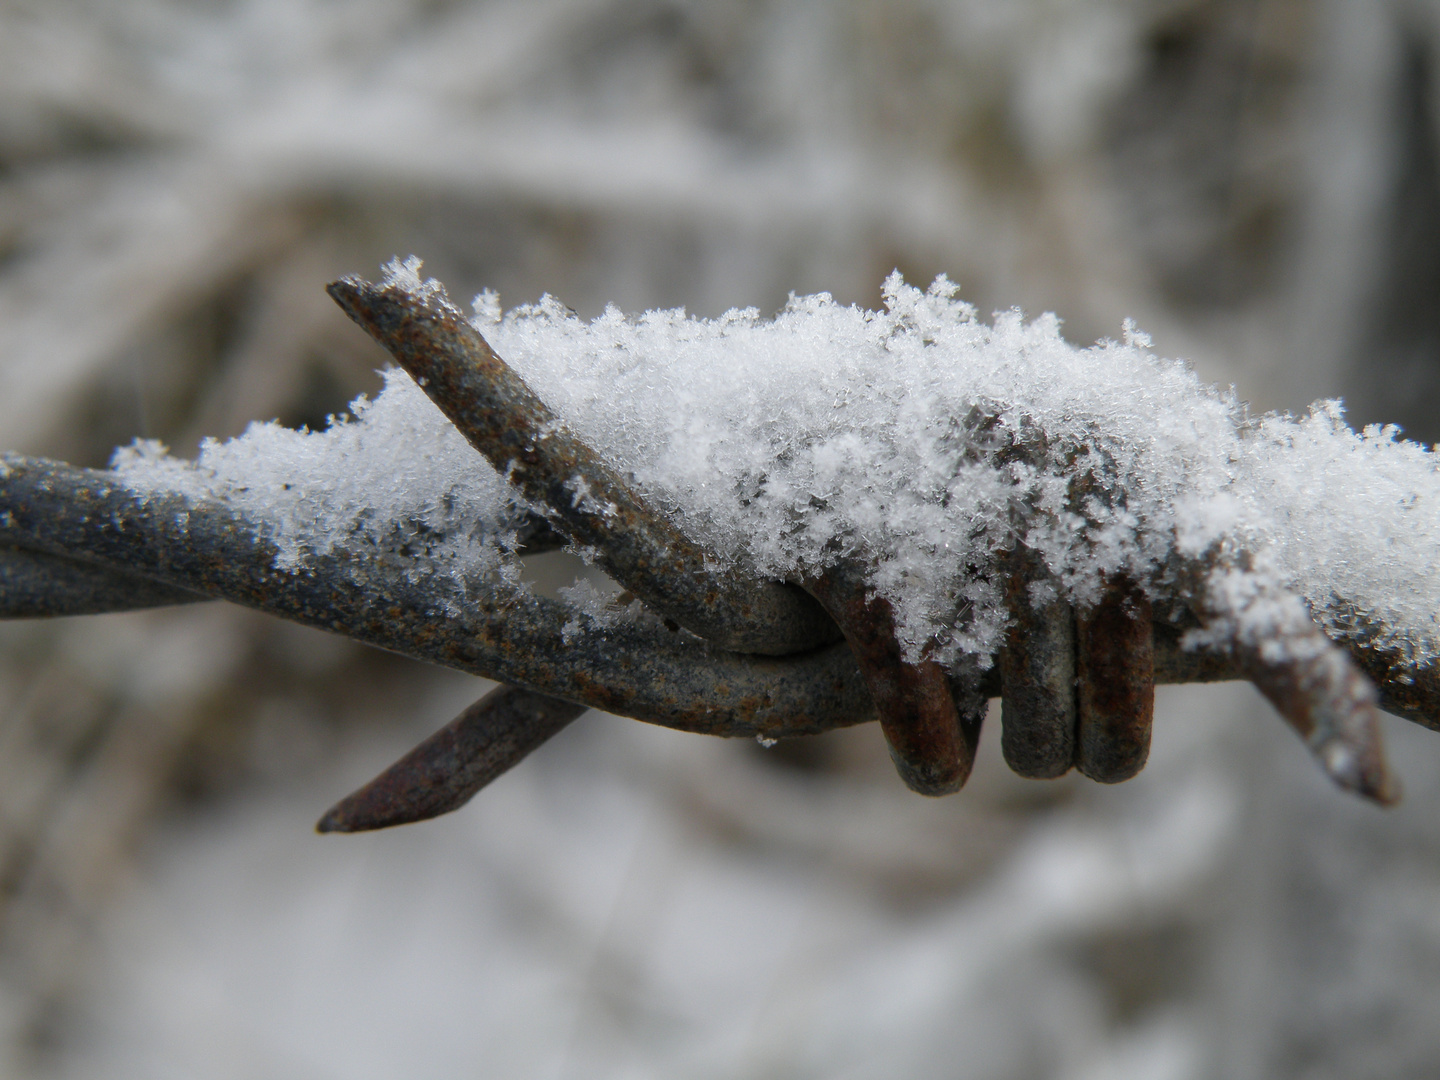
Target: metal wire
{"points": [[754, 658]]}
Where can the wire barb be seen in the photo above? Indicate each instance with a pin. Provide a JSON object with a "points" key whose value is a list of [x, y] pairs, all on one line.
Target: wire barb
{"points": [[763, 658], [186, 548], [449, 768], [503, 418], [1312, 682]]}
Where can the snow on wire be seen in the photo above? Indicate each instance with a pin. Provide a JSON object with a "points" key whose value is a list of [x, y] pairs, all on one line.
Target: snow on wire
{"points": [[917, 439], [978, 510]]}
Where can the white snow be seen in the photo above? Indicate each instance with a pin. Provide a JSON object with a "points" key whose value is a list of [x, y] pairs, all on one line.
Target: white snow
{"points": [[394, 475], [917, 438]]}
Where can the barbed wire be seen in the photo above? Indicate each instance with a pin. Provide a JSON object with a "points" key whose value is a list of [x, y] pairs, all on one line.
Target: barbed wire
{"points": [[715, 652]]}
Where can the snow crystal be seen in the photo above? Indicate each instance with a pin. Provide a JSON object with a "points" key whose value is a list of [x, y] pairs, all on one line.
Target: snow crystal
{"points": [[926, 442], [917, 439], [592, 608], [393, 476]]}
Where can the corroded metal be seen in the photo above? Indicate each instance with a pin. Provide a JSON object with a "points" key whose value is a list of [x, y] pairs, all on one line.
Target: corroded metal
{"points": [[74, 540], [503, 418], [36, 585], [446, 771], [1176, 664], [637, 669], [1406, 690], [1037, 675], [755, 658], [1313, 683], [932, 749], [1115, 669], [1332, 706]]}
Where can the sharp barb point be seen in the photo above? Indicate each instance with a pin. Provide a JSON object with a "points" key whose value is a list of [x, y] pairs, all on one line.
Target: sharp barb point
{"points": [[498, 413], [445, 771]]}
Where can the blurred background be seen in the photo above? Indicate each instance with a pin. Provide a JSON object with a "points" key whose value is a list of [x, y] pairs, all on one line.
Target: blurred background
{"points": [[1257, 182]]}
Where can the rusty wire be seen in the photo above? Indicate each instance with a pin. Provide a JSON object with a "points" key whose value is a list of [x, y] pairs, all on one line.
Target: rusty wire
{"points": [[720, 653], [502, 418]]}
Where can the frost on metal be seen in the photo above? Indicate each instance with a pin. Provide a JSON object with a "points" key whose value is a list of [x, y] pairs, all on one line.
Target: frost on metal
{"points": [[919, 439], [392, 476], [928, 442]]}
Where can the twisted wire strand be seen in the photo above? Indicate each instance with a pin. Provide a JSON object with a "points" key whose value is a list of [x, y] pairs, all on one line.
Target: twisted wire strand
{"points": [[756, 658]]}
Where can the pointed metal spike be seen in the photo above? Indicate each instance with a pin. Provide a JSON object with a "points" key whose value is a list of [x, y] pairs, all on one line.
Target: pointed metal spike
{"points": [[502, 417], [445, 771], [1315, 685]]}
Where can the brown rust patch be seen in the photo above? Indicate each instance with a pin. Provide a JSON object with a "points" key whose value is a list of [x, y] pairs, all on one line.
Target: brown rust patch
{"points": [[1115, 666], [932, 750]]}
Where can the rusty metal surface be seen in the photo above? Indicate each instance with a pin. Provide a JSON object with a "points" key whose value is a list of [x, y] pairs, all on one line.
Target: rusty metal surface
{"points": [[502, 418], [1115, 665], [932, 750], [1333, 706], [1176, 664], [1405, 690], [36, 585], [1317, 688], [1037, 677], [446, 771], [639, 669], [74, 540]]}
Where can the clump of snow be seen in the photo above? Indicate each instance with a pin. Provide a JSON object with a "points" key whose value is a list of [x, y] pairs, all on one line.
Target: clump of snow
{"points": [[918, 439], [596, 609], [926, 442], [394, 476]]}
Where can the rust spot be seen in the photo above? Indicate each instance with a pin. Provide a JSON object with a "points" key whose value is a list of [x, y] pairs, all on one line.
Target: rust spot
{"points": [[932, 751], [1115, 663]]}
